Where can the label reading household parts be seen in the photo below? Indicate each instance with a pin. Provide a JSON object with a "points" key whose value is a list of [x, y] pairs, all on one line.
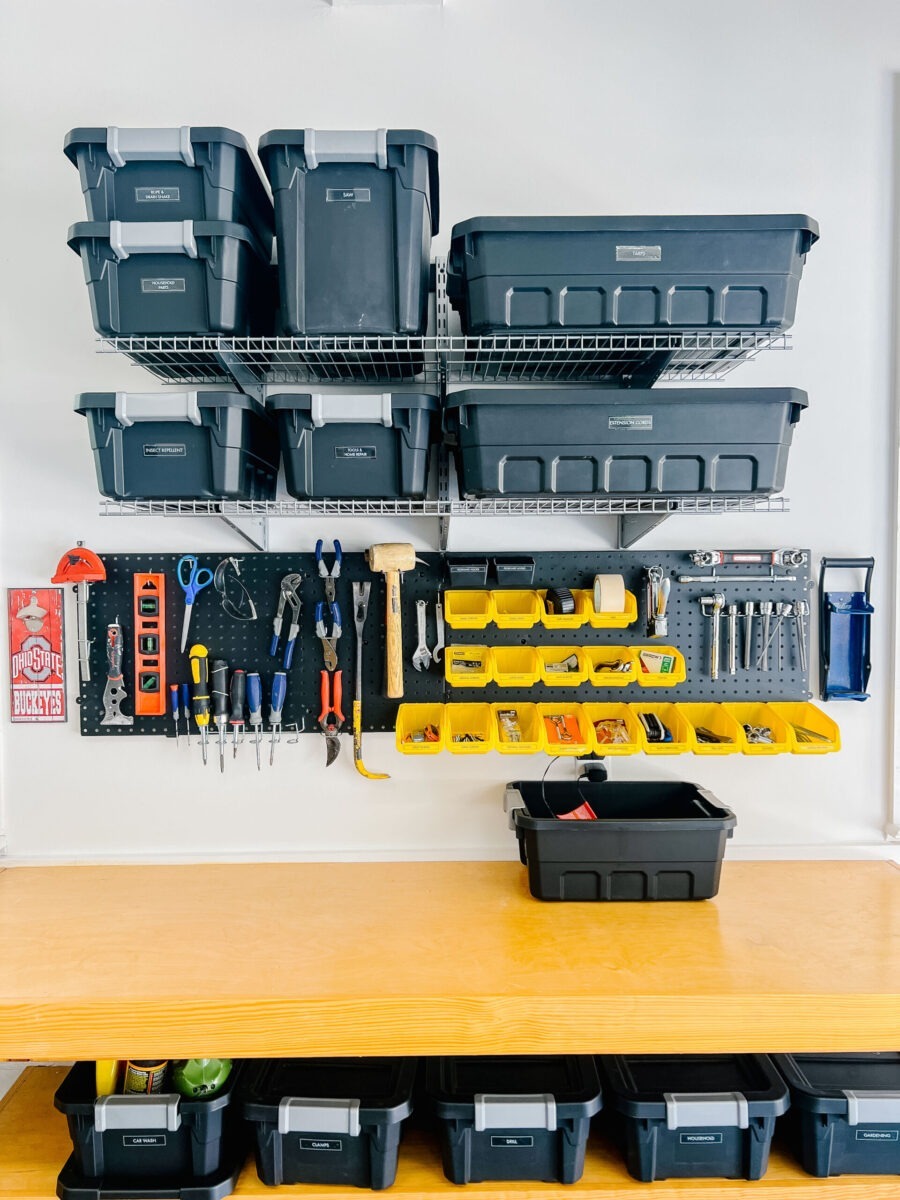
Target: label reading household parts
{"points": [[701, 1139], [348, 195], [631, 422], [165, 450], [355, 452], [522, 1141], [638, 253], [143, 1139], [143, 195], [321, 1144], [162, 285], [878, 1135]]}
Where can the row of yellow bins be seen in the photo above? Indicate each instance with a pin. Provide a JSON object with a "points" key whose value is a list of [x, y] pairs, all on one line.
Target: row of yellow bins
{"points": [[577, 729], [523, 609], [559, 666]]}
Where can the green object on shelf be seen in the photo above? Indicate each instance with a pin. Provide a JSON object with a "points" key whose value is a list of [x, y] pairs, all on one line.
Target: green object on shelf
{"points": [[196, 1077]]}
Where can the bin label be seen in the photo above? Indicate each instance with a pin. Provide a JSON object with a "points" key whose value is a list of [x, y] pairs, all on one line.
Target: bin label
{"points": [[631, 422], [162, 285], [334, 1144], [143, 1139], [701, 1139], [145, 195], [878, 1135], [36, 663], [638, 253], [165, 450], [348, 195], [512, 1142], [355, 452]]}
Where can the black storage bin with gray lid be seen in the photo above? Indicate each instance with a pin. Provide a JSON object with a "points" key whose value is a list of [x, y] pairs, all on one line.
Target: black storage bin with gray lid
{"points": [[329, 1120], [622, 442], [341, 445], [175, 277], [190, 173], [650, 841], [514, 1116], [181, 445], [845, 1112], [355, 211], [693, 1116], [533, 274]]}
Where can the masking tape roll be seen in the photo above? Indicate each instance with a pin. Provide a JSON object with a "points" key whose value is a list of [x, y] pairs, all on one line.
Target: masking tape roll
{"points": [[609, 593]]}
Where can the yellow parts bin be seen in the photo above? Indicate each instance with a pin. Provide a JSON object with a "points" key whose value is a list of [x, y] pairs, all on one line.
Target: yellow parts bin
{"points": [[516, 666], [517, 609], [555, 620], [464, 609], [614, 729], [765, 732], [468, 666], [518, 729], [563, 666], [648, 657], [680, 728], [584, 605], [611, 666], [469, 728], [715, 729], [566, 729], [814, 732], [420, 728]]}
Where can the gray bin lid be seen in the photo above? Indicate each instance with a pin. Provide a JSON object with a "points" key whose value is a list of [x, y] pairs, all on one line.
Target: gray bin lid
{"points": [[630, 398], [820, 1083], [173, 406], [96, 135], [87, 231], [459, 1085], [640, 224], [637, 1084]]}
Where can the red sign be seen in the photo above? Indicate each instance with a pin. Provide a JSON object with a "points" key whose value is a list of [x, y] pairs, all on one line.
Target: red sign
{"points": [[37, 664]]}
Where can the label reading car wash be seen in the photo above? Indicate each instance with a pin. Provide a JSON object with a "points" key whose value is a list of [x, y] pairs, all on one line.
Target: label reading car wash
{"points": [[638, 253], [631, 422], [152, 195], [37, 669], [131, 1140], [162, 285], [701, 1139], [355, 452], [878, 1135], [165, 450], [333, 1144], [348, 195], [519, 1141]]}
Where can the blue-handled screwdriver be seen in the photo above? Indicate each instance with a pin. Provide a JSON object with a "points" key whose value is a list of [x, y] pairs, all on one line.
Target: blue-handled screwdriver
{"points": [[186, 709], [276, 704], [254, 704], [176, 711]]}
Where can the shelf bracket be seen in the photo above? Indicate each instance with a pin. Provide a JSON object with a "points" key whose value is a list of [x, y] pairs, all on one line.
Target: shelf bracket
{"points": [[634, 526], [254, 530], [243, 376], [443, 487]]}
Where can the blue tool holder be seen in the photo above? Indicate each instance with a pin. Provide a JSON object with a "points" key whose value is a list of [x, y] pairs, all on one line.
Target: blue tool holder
{"points": [[845, 634]]}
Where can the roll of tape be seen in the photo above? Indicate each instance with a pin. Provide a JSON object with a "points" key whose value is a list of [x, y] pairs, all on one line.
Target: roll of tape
{"points": [[561, 601], [609, 593]]}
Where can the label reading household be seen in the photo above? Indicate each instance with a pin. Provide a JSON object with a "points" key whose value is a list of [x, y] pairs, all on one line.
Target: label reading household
{"points": [[518, 1142], [143, 1139], [631, 422], [333, 1144], [878, 1135], [165, 450], [150, 195], [701, 1139], [162, 285], [348, 195], [638, 253], [355, 452]]}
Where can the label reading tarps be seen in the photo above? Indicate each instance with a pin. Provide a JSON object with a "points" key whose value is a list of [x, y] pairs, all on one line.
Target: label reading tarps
{"points": [[878, 1135], [162, 285], [143, 1139], [631, 422], [334, 1144], [355, 452], [638, 253], [519, 1141], [165, 450], [145, 195], [348, 195], [701, 1139]]}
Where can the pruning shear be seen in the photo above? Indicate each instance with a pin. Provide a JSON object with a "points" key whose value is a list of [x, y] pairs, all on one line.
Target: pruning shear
{"points": [[197, 579]]}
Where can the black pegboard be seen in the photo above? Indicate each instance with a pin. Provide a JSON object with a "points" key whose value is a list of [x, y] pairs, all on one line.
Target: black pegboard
{"points": [[246, 644]]}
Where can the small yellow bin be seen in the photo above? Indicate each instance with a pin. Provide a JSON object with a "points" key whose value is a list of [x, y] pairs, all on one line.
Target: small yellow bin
{"points": [[550, 656], [584, 604], [660, 678], [718, 720], [468, 666], [571, 717], [419, 717], [475, 720], [682, 731], [516, 609], [531, 728], [763, 714], [516, 666], [599, 657], [810, 718], [468, 609], [551, 620], [622, 712]]}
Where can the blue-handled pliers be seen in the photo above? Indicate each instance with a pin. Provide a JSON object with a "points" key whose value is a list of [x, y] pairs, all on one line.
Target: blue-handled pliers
{"points": [[289, 594], [329, 644], [324, 573]]}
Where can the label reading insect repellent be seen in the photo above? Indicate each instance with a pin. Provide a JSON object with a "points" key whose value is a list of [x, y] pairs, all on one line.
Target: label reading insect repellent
{"points": [[638, 253], [165, 450], [152, 195], [162, 285]]}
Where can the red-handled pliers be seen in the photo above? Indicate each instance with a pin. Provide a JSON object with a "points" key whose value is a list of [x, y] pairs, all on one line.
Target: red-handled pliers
{"points": [[330, 693]]}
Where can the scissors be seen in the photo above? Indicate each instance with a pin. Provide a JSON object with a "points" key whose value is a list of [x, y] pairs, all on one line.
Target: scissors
{"points": [[197, 580]]}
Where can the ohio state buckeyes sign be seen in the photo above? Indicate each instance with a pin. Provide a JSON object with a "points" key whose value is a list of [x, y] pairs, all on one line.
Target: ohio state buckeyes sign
{"points": [[37, 664]]}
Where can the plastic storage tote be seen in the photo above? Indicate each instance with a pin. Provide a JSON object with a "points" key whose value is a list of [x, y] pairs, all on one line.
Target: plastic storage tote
{"points": [[650, 841], [845, 1112], [189, 173], [574, 273], [181, 445], [329, 1120], [355, 211], [622, 441], [167, 277], [514, 1117], [349, 446], [147, 1140], [696, 1116]]}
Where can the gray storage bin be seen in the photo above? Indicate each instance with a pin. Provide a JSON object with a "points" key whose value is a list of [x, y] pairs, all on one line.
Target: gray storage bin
{"points": [[622, 442], [189, 173], [181, 445], [341, 445], [575, 273], [355, 211], [167, 277]]}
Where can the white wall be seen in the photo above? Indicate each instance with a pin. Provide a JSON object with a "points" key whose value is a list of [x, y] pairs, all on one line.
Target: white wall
{"points": [[569, 106]]}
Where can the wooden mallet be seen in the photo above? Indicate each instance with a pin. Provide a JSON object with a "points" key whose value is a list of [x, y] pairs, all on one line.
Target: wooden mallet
{"points": [[390, 559]]}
